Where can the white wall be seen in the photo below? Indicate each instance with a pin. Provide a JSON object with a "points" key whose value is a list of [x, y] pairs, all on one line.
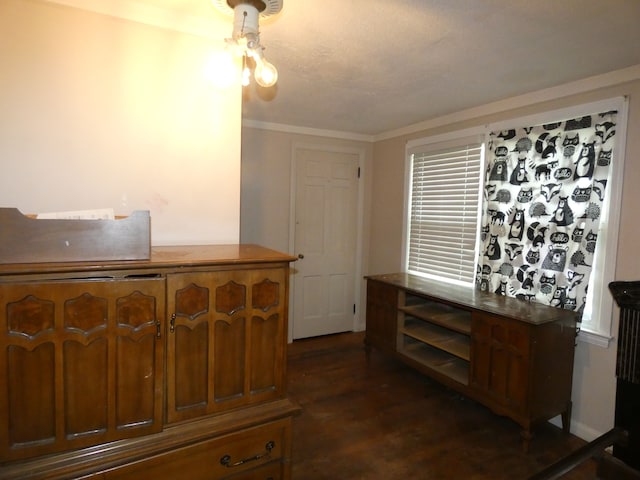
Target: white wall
{"points": [[98, 112]]}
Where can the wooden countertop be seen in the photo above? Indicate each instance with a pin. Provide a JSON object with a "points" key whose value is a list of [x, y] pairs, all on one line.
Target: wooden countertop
{"points": [[472, 299], [162, 257]]}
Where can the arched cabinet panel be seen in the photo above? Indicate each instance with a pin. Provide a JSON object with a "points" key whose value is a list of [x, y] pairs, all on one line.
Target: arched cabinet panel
{"points": [[81, 361], [239, 358]]}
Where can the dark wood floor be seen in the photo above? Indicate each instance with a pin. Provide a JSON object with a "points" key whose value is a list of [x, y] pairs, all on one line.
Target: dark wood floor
{"points": [[382, 420]]}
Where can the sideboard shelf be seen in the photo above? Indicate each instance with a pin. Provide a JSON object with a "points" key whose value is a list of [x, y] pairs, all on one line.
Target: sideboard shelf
{"points": [[455, 369], [438, 314], [446, 340], [513, 356]]}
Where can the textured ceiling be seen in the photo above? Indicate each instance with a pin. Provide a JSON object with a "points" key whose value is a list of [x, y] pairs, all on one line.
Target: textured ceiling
{"points": [[378, 65]]}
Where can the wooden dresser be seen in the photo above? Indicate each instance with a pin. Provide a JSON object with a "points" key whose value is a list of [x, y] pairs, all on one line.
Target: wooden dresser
{"points": [[513, 356], [172, 367]]}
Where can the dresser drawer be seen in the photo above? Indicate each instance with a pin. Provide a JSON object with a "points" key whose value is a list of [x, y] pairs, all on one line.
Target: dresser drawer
{"points": [[271, 471], [238, 456]]}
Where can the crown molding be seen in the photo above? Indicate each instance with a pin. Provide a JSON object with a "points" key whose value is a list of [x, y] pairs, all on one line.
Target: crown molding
{"points": [[615, 77], [279, 127]]}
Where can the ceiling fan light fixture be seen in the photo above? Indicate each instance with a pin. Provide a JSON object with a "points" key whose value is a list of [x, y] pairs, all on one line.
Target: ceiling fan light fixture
{"points": [[265, 7], [245, 20], [245, 38]]}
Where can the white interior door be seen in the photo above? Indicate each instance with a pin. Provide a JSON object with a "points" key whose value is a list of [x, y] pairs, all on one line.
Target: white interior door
{"points": [[326, 212]]}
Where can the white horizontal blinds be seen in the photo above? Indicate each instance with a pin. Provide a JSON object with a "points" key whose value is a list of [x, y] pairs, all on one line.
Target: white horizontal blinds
{"points": [[443, 216]]}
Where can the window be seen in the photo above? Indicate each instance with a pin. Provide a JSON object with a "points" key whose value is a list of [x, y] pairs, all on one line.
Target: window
{"points": [[443, 208], [598, 313], [443, 197]]}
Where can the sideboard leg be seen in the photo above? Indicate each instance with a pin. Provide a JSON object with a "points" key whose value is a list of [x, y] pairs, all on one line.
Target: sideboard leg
{"points": [[526, 439], [367, 349], [566, 418]]}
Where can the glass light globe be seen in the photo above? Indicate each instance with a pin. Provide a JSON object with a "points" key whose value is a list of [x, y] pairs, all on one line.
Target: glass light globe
{"points": [[222, 69], [266, 74]]}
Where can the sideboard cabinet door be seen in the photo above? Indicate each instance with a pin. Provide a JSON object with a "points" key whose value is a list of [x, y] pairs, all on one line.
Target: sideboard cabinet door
{"points": [[501, 361], [382, 315], [81, 362], [226, 341]]}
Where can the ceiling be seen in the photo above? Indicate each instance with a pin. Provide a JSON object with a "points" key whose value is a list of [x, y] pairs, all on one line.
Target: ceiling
{"points": [[374, 66]]}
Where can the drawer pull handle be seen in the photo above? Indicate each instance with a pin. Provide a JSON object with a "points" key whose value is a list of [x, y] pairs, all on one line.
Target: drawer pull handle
{"points": [[226, 459], [172, 323]]}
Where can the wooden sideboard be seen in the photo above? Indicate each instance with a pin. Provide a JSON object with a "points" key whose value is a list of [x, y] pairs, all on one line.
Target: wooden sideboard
{"points": [[172, 367], [513, 356]]}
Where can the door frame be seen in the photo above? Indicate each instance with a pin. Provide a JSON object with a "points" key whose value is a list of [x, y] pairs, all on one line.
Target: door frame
{"points": [[357, 274]]}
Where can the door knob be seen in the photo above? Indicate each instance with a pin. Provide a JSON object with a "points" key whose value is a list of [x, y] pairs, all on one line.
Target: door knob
{"points": [[300, 256]]}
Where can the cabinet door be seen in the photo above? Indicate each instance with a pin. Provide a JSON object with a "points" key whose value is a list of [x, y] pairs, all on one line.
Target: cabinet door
{"points": [[80, 363], [500, 361], [382, 316], [226, 341]]}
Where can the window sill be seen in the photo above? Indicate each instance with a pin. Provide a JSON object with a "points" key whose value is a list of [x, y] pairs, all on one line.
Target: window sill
{"points": [[594, 338]]}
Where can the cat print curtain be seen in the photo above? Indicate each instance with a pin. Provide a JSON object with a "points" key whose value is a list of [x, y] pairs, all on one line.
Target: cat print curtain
{"points": [[543, 195]]}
